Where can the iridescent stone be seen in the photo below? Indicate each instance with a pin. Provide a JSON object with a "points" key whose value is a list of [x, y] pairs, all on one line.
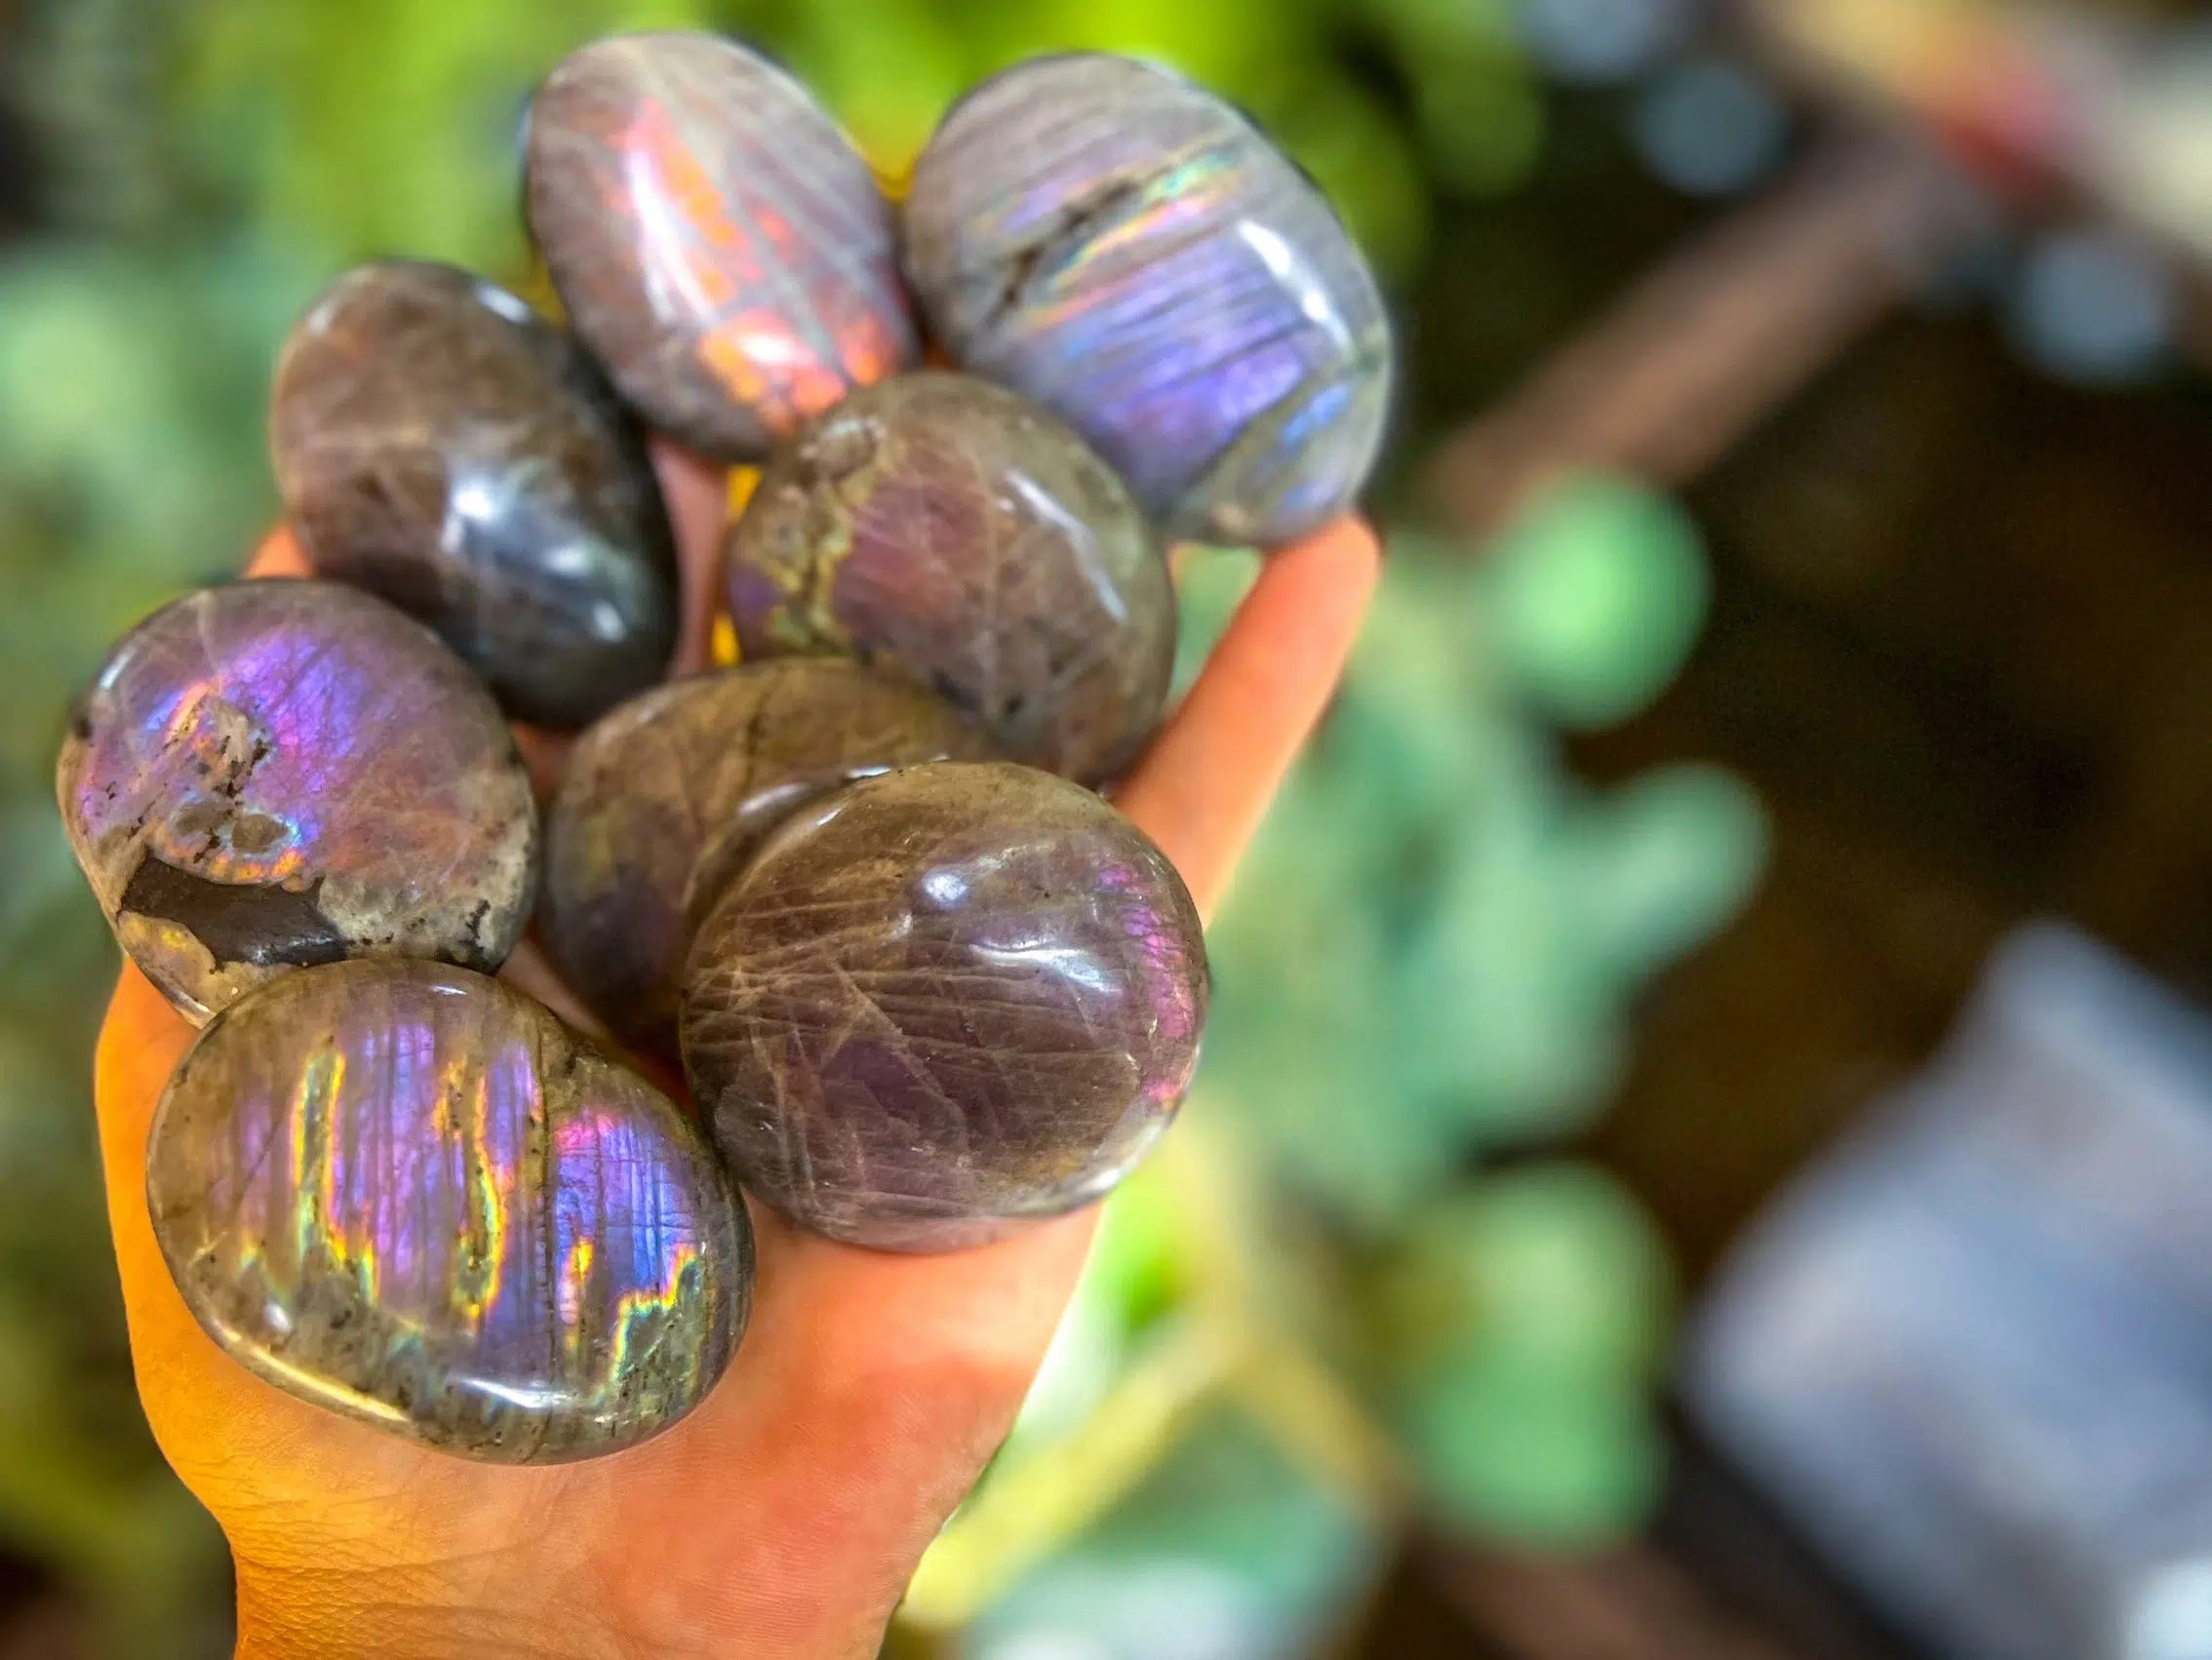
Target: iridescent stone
{"points": [[1132, 252], [407, 1193], [952, 532], [275, 773], [667, 799], [438, 442], [716, 240], [950, 999]]}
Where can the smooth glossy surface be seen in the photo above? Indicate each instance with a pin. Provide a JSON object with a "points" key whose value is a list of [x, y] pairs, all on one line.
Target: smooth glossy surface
{"points": [[406, 1193], [666, 799], [951, 1000], [716, 240], [1130, 251], [953, 533], [276, 774], [441, 444]]}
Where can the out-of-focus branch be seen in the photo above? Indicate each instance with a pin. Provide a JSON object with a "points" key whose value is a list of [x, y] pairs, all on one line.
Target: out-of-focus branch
{"points": [[1631, 1604], [1704, 347]]}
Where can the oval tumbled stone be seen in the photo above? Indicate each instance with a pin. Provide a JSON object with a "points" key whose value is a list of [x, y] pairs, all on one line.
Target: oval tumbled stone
{"points": [[950, 999], [668, 797], [270, 775], [438, 442], [716, 240], [404, 1192], [1132, 252], [953, 533]]}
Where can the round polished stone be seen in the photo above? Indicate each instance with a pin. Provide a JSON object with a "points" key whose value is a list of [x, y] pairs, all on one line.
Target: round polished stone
{"points": [[407, 1193], [438, 442], [950, 531], [1130, 251], [716, 240], [665, 799], [947, 1001], [269, 774]]}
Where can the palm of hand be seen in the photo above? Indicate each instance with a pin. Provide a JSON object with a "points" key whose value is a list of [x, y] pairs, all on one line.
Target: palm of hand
{"points": [[783, 1517]]}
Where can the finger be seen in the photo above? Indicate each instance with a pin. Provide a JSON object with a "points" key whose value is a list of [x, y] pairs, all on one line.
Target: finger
{"points": [[1205, 785], [207, 1413], [697, 491]]}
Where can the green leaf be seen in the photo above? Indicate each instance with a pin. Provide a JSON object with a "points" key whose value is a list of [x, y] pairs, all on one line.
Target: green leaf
{"points": [[1504, 1449], [1551, 1262], [1661, 864], [1600, 588]]}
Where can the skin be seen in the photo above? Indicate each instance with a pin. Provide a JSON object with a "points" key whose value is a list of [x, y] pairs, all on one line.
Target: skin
{"points": [[782, 1519]]}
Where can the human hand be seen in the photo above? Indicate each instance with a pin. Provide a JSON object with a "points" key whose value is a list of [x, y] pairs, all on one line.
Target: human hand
{"points": [[781, 1520]]}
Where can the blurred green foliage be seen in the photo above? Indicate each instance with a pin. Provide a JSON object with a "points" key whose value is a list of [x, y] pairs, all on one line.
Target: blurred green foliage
{"points": [[1436, 940], [1451, 929]]}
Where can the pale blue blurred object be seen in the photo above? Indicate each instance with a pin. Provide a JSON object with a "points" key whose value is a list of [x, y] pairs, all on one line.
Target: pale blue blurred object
{"points": [[1967, 1352], [1709, 128], [2094, 306]]}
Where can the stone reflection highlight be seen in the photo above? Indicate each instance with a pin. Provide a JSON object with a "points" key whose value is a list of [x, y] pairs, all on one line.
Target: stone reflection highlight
{"points": [[406, 1193], [950, 999], [270, 775]]}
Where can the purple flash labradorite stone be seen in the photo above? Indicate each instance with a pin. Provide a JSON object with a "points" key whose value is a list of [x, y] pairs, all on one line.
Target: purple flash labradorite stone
{"points": [[1130, 251], [665, 799], [438, 442], [951, 531], [716, 240], [404, 1192], [270, 775], [948, 1001]]}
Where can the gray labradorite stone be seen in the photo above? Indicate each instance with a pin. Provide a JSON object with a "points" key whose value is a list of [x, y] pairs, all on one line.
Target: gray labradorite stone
{"points": [[667, 799], [406, 1193], [950, 531], [1130, 251], [440, 444], [943, 1002]]}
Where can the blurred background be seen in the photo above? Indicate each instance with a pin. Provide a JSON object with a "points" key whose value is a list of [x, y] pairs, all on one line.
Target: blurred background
{"points": [[1706, 1147]]}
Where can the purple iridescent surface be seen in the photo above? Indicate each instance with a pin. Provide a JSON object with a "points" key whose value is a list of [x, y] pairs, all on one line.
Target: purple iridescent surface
{"points": [[1133, 254], [953, 999], [268, 774], [404, 1192]]}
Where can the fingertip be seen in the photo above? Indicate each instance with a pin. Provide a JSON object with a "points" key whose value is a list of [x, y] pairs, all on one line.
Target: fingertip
{"points": [[1205, 785], [279, 555], [141, 1043]]}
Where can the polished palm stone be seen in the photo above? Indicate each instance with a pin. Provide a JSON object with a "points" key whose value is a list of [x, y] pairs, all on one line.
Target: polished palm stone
{"points": [[438, 442], [716, 240], [407, 1193], [947, 1001], [275, 773], [948, 530], [269, 774], [1130, 251], [668, 797]]}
